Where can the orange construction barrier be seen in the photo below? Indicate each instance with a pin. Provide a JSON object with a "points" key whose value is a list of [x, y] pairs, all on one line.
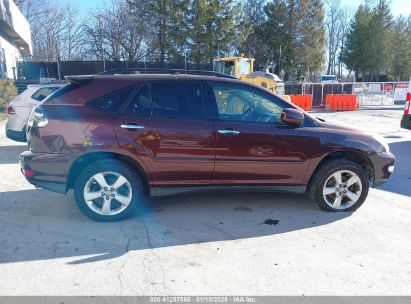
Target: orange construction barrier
{"points": [[329, 103], [305, 102], [341, 102]]}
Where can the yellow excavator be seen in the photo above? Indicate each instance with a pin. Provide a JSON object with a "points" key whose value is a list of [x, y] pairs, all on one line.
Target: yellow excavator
{"points": [[243, 68]]}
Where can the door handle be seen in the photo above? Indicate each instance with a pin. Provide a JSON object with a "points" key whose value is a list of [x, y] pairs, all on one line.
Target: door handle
{"points": [[132, 126], [228, 132]]}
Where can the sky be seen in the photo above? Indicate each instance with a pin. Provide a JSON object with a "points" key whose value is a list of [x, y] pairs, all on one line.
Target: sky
{"points": [[398, 6]]}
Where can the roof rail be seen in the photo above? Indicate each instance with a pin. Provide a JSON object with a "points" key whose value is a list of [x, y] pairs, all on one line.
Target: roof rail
{"points": [[79, 79], [163, 71]]}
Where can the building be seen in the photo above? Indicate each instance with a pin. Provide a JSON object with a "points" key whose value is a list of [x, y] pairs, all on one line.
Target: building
{"points": [[15, 38]]}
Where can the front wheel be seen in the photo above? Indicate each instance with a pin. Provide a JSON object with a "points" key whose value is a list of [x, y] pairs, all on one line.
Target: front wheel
{"points": [[108, 190], [339, 185]]}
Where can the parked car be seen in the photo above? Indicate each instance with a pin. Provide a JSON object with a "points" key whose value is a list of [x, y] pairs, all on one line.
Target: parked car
{"points": [[114, 138], [19, 109], [406, 118], [328, 79]]}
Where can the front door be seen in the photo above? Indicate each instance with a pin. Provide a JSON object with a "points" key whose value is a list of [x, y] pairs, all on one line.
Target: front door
{"points": [[164, 126], [252, 144]]}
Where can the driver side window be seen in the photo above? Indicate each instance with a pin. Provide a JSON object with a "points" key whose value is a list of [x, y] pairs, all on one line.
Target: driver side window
{"points": [[242, 103]]}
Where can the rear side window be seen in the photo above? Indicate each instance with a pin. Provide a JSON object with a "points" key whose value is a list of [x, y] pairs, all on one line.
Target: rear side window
{"points": [[183, 100], [140, 103], [111, 102], [42, 93]]}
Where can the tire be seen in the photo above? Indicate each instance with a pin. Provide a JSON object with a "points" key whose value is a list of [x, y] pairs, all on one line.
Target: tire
{"points": [[332, 196], [113, 190]]}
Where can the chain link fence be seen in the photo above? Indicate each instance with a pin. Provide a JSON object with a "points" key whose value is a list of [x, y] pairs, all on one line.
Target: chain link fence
{"points": [[380, 93], [368, 93]]}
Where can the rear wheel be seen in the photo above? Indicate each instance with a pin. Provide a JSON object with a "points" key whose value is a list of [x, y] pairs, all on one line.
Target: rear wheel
{"points": [[108, 190], [339, 185]]}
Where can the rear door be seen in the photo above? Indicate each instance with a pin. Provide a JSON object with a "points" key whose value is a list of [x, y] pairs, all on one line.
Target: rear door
{"points": [[252, 144], [165, 126]]}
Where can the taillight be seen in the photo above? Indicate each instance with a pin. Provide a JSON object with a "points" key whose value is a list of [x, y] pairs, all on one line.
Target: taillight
{"points": [[10, 110], [27, 173], [407, 104], [38, 118]]}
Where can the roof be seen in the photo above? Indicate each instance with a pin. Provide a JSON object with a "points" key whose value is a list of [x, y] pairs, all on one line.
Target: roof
{"points": [[46, 85], [233, 58], [150, 77], [150, 73]]}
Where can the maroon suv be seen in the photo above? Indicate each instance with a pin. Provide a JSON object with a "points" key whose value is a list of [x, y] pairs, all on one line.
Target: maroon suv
{"points": [[113, 138]]}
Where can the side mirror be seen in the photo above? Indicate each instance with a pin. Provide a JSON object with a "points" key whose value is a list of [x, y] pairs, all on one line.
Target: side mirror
{"points": [[292, 116]]}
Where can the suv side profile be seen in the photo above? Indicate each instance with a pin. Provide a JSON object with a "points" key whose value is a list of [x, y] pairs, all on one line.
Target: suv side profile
{"points": [[114, 138]]}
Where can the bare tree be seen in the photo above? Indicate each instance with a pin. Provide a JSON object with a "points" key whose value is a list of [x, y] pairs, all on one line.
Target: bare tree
{"points": [[47, 33], [33, 9], [337, 24], [333, 25], [345, 19], [112, 33], [72, 36], [56, 29]]}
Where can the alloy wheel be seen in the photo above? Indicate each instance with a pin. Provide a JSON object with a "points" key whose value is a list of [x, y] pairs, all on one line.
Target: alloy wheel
{"points": [[342, 189], [108, 193]]}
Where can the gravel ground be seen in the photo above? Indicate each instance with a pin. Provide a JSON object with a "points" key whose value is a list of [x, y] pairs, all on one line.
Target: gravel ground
{"points": [[211, 244]]}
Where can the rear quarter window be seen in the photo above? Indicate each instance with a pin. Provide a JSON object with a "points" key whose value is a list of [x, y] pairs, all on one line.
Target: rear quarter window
{"points": [[111, 102], [60, 92], [42, 93]]}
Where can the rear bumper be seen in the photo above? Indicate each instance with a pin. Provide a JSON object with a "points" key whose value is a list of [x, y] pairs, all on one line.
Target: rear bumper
{"points": [[55, 187], [406, 122], [383, 167], [48, 171], [19, 136]]}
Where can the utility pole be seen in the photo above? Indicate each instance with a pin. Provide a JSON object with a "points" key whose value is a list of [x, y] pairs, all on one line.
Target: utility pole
{"points": [[58, 60], [279, 61], [101, 43]]}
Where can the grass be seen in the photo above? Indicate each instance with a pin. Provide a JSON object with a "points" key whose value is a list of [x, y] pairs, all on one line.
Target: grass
{"points": [[2, 116]]}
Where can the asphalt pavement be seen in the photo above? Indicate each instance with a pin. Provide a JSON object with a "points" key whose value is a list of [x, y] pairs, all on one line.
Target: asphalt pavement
{"points": [[211, 244]]}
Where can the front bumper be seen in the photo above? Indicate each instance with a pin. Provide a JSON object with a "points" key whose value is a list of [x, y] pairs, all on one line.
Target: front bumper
{"points": [[383, 164], [48, 171], [406, 122]]}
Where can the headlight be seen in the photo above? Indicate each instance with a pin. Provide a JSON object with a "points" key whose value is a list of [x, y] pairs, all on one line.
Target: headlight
{"points": [[382, 141]]}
